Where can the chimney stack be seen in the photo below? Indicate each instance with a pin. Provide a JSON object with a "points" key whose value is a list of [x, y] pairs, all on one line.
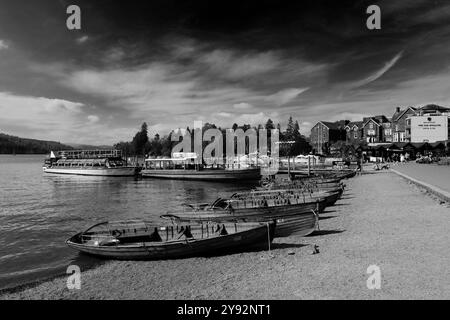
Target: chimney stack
{"points": [[397, 109]]}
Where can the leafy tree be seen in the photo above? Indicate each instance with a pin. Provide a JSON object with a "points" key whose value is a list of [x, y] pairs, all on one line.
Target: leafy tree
{"points": [[156, 146], [15, 145], [269, 125], [141, 139], [126, 148]]}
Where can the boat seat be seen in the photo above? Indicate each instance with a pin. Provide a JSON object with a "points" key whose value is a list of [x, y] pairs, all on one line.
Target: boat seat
{"points": [[222, 230], [155, 237], [185, 231]]}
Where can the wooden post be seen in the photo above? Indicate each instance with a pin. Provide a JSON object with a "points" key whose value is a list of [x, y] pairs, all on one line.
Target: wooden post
{"points": [[362, 162], [289, 166], [309, 166]]}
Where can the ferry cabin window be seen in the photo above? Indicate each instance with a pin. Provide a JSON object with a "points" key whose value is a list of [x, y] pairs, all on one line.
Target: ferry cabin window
{"points": [[179, 165]]}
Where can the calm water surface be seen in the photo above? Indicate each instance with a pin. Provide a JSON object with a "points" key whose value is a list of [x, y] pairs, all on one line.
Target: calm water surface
{"points": [[38, 212]]}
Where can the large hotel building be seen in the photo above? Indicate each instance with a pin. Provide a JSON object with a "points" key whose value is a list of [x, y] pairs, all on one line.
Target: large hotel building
{"points": [[427, 124]]}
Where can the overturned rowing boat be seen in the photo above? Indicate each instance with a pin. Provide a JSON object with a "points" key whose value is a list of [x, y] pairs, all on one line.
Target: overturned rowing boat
{"points": [[138, 240]]}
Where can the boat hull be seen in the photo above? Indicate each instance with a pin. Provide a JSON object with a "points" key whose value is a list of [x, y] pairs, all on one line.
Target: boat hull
{"points": [[204, 175], [300, 219], [259, 237], [108, 172]]}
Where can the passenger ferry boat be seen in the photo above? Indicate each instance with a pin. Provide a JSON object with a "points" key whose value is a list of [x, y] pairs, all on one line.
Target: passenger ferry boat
{"points": [[89, 163], [183, 166]]}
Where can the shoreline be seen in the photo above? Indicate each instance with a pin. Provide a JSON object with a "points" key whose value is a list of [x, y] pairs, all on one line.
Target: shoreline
{"points": [[405, 236]]}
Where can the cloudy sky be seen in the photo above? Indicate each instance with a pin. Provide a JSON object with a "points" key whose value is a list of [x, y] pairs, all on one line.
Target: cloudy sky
{"points": [[170, 63]]}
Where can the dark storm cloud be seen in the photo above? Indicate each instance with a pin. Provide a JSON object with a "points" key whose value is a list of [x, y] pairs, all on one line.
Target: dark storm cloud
{"points": [[172, 62]]}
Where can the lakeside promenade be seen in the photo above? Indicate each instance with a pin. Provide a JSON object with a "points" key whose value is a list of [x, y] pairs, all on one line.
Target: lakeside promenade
{"points": [[432, 174], [433, 178], [381, 220]]}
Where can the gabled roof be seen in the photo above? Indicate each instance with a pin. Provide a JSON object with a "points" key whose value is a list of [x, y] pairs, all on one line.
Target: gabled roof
{"points": [[332, 125], [381, 118], [351, 125], [376, 121], [398, 115]]}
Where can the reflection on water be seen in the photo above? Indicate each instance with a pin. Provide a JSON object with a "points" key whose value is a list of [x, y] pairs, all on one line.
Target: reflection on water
{"points": [[38, 212]]}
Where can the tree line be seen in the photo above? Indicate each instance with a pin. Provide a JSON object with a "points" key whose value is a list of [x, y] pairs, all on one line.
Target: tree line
{"points": [[12, 145], [157, 146]]}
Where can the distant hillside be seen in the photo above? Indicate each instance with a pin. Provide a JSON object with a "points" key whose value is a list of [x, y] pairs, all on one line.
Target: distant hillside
{"points": [[11, 144], [88, 146]]}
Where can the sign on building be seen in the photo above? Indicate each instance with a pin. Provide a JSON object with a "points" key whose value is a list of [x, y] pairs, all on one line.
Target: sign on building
{"points": [[429, 128]]}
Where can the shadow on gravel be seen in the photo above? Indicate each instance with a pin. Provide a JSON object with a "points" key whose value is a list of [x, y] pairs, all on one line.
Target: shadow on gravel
{"points": [[324, 232], [287, 245], [341, 204], [329, 217]]}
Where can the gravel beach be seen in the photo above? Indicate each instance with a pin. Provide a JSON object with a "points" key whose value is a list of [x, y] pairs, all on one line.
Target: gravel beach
{"points": [[381, 220]]}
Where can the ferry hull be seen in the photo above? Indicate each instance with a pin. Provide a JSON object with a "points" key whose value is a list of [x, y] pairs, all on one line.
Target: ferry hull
{"points": [[107, 172], [204, 175]]}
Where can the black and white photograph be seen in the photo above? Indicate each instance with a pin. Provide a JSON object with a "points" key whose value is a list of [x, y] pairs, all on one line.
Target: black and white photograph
{"points": [[248, 152]]}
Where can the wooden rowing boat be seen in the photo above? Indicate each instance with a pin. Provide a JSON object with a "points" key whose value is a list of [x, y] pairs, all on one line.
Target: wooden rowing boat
{"points": [[138, 240], [292, 219], [291, 195]]}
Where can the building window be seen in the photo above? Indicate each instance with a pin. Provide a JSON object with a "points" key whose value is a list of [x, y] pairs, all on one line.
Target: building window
{"points": [[355, 135], [371, 125]]}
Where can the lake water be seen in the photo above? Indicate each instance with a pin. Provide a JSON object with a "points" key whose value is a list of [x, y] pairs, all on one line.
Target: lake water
{"points": [[38, 212]]}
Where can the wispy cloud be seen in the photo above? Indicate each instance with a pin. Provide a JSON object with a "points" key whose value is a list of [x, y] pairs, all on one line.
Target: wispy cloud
{"points": [[377, 74], [82, 39], [242, 106], [285, 96], [226, 63], [93, 118], [3, 45]]}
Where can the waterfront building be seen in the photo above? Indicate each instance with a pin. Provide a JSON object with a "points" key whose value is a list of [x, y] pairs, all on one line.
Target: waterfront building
{"points": [[377, 129], [406, 129], [355, 133], [325, 133], [400, 132], [431, 123]]}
